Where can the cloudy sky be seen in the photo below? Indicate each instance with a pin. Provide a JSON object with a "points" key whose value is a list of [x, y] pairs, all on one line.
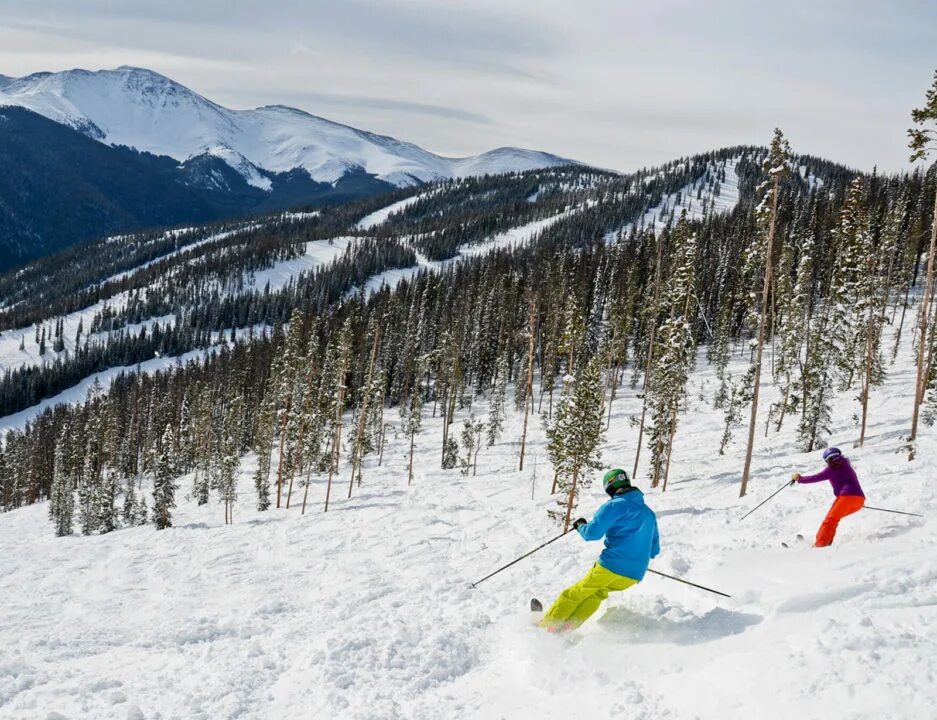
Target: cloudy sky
{"points": [[615, 83]]}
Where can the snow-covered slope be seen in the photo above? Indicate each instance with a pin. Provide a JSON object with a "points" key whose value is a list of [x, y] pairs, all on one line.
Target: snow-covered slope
{"points": [[364, 612], [145, 110]]}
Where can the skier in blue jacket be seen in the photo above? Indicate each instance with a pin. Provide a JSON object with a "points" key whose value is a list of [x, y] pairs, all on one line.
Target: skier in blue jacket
{"points": [[631, 540]]}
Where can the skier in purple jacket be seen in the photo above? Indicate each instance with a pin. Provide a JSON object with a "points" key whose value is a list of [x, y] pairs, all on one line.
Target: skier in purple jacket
{"points": [[846, 488]]}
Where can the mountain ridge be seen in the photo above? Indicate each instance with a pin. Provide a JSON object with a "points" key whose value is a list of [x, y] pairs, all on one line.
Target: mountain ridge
{"points": [[150, 112]]}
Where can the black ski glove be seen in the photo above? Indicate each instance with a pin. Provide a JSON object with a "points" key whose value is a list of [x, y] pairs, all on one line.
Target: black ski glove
{"points": [[580, 521]]}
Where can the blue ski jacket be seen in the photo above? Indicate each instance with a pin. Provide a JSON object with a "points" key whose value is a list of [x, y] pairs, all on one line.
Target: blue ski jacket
{"points": [[630, 531]]}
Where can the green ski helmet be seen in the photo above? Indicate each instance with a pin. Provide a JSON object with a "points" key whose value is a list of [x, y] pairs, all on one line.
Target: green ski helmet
{"points": [[614, 480]]}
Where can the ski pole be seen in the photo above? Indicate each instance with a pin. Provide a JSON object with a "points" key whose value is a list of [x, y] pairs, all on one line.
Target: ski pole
{"points": [[897, 512], [687, 582], [505, 567], [765, 500]]}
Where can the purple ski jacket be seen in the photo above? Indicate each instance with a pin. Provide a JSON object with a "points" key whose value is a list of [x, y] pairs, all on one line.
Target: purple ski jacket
{"points": [[842, 477]]}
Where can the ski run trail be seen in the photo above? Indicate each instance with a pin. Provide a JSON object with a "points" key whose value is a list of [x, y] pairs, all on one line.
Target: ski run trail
{"points": [[366, 612]]}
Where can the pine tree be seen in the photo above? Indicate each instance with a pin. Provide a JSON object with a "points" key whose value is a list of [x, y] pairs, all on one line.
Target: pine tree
{"points": [[818, 391], [676, 351], [129, 510], [793, 327], [472, 431], [334, 393], [411, 414], [164, 487], [450, 458], [263, 444], [652, 313], [852, 245], [923, 141], [62, 498], [362, 441], [107, 501], [496, 402], [88, 491], [527, 379], [575, 435], [761, 254]]}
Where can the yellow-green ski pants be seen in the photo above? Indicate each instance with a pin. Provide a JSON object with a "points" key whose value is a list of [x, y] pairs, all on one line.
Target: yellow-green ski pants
{"points": [[578, 602]]}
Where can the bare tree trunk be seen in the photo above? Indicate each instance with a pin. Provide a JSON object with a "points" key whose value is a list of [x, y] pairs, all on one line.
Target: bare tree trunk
{"points": [[571, 499], [650, 353], [921, 382], [765, 291], [410, 466], [528, 390], [286, 415], [866, 379], [289, 491], [673, 431], [380, 457], [306, 490], [904, 309], [445, 425]]}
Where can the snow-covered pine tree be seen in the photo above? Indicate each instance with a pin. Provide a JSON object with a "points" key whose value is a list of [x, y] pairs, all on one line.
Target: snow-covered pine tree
{"points": [[107, 500], [164, 481], [573, 333], [874, 287], [675, 352], [652, 315], [496, 403], [128, 511], [817, 381], [287, 371], [411, 412], [761, 256], [922, 142], [62, 497], [362, 442], [575, 435], [376, 427], [334, 389], [793, 324], [527, 379], [450, 458], [264, 426], [852, 245], [88, 491], [202, 442], [230, 457], [472, 431]]}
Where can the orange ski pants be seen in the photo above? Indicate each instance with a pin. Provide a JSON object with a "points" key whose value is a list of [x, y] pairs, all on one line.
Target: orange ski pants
{"points": [[843, 505]]}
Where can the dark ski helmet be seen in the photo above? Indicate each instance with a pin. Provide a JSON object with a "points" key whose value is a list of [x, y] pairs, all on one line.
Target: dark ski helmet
{"points": [[614, 480], [832, 454]]}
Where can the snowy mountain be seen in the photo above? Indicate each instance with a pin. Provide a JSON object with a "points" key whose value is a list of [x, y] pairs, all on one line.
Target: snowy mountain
{"points": [[151, 113], [228, 368]]}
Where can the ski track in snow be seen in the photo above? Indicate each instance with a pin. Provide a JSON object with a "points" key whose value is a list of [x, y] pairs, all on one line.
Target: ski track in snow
{"points": [[78, 393], [317, 253], [709, 203], [364, 612], [515, 237], [378, 217]]}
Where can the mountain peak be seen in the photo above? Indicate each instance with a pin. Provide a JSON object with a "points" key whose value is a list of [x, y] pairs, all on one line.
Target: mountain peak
{"points": [[143, 109]]}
